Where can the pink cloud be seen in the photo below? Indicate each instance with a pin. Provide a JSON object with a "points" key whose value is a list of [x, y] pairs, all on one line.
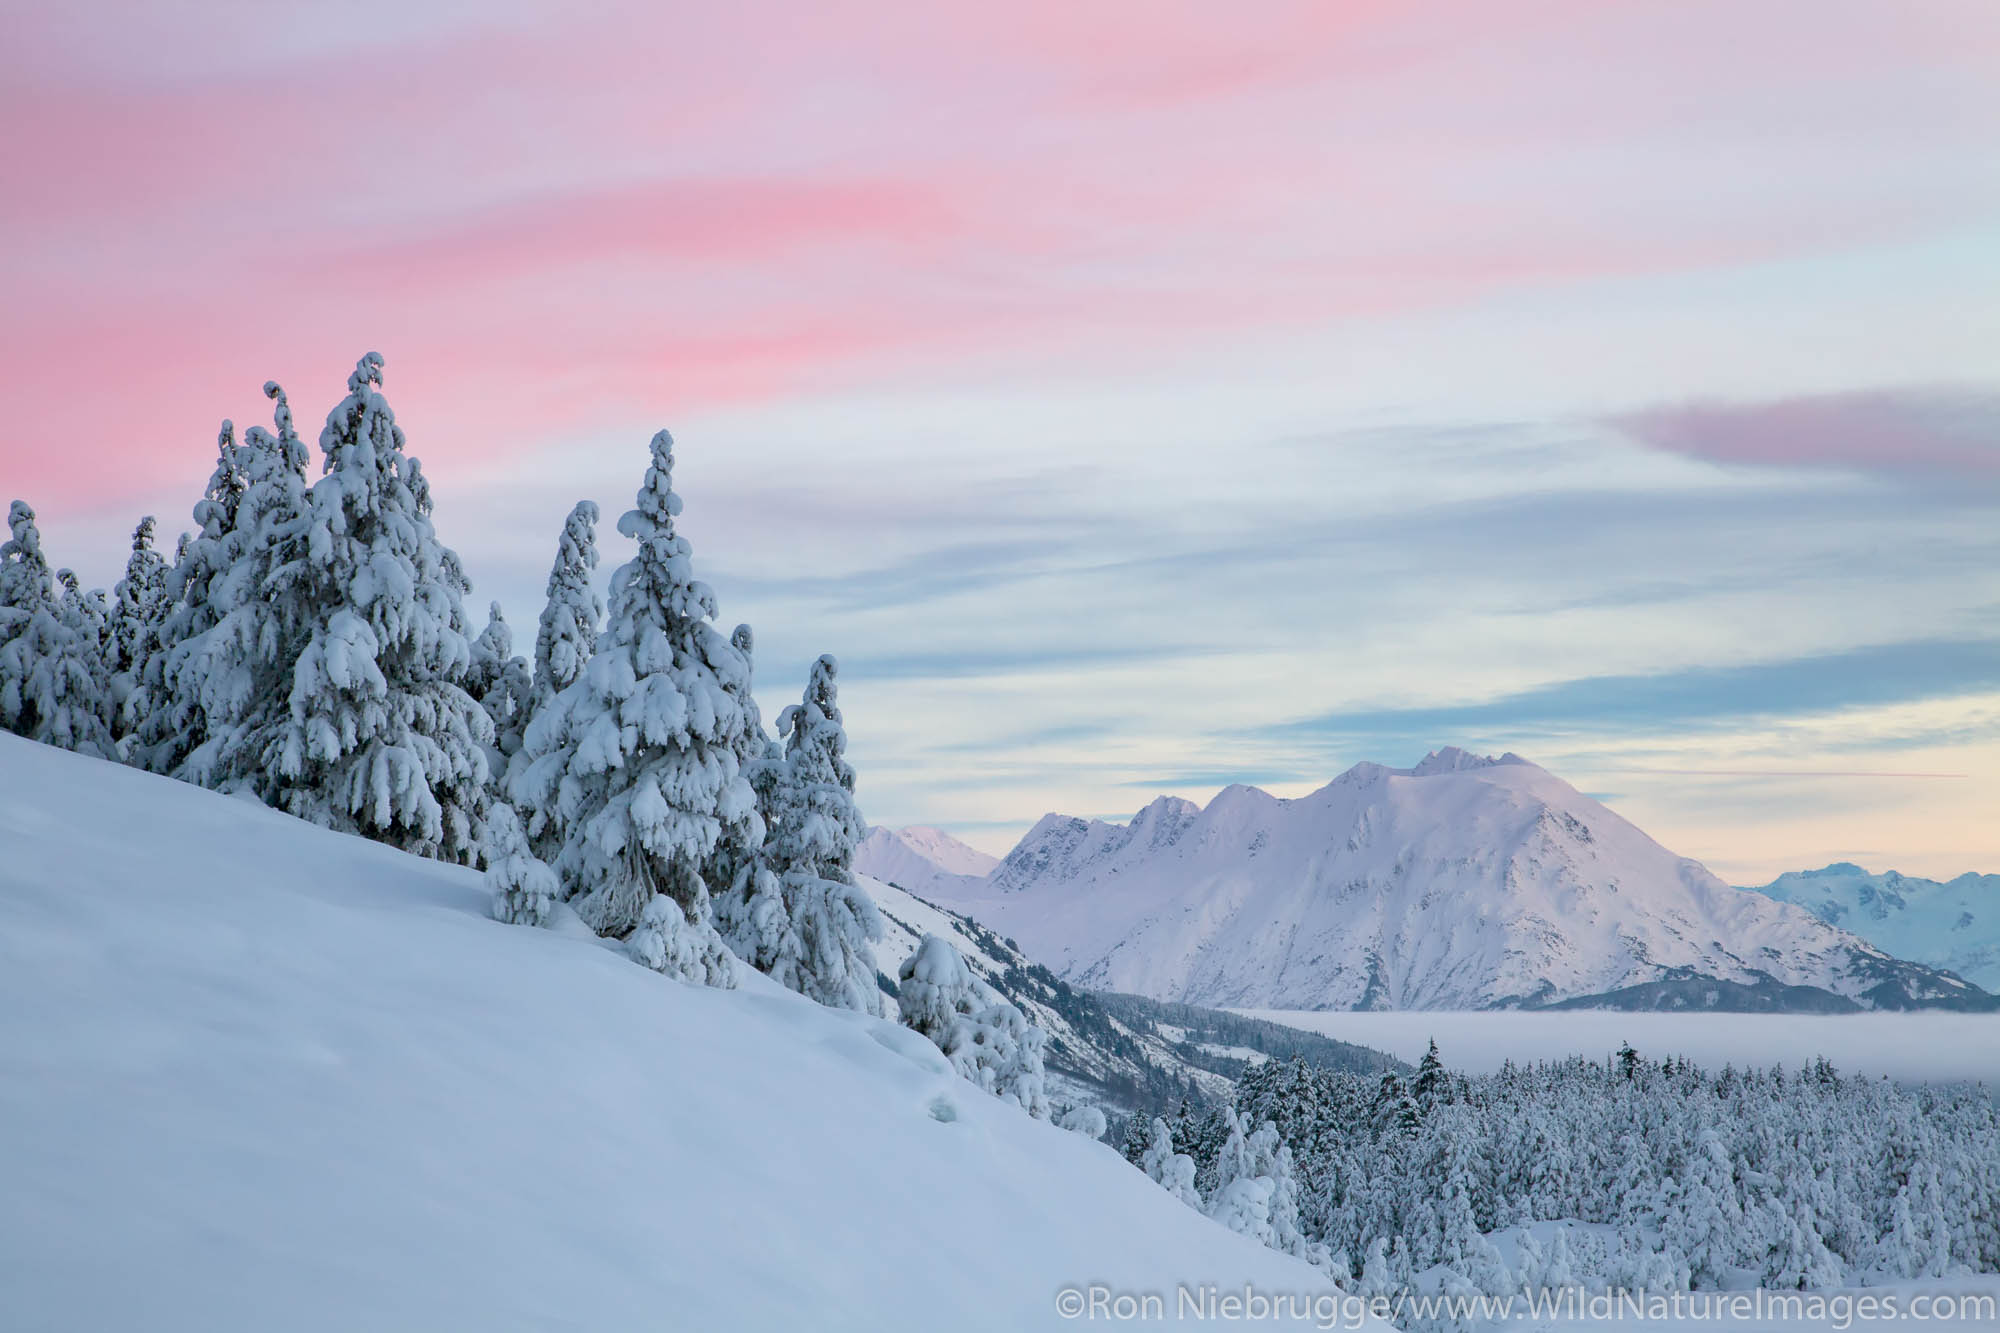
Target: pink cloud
{"points": [[554, 220], [1934, 431]]}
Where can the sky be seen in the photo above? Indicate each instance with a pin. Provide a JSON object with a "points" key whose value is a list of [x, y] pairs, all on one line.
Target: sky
{"points": [[1135, 397]]}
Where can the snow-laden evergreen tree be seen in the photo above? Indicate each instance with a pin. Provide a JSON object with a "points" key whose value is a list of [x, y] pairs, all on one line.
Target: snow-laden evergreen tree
{"points": [[53, 686], [1271, 1158], [987, 1039], [381, 738], [499, 680], [1085, 1120], [26, 594], [242, 668], [816, 938], [1170, 1170], [1241, 1199], [1006, 1054], [172, 720], [933, 989], [140, 604], [1432, 1084], [574, 613], [524, 888], [637, 758], [565, 636], [742, 871]]}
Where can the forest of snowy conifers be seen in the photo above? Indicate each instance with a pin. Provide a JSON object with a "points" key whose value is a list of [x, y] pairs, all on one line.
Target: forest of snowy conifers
{"points": [[1683, 1178], [307, 646]]}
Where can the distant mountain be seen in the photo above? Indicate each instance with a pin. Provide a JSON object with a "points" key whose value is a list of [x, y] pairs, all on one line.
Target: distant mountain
{"points": [[1954, 924], [1461, 883], [1127, 1055], [916, 857]]}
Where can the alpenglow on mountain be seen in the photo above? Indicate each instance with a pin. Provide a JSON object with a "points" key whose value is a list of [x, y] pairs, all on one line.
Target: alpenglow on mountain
{"points": [[1461, 883]]}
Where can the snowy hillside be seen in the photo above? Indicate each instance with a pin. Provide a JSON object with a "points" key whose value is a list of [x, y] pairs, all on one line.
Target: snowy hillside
{"points": [[1953, 924], [257, 1075], [921, 859], [1461, 883], [1106, 1050]]}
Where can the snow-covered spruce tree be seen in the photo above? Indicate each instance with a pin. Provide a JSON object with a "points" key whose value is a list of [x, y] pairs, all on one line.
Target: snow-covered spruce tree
{"points": [[1006, 1052], [499, 680], [987, 1040], [524, 888], [26, 594], [565, 637], [139, 605], [1170, 1170], [818, 943], [1241, 1199], [381, 738], [568, 630], [1085, 1120], [934, 988], [243, 666], [52, 680], [736, 869], [172, 721], [636, 759]]}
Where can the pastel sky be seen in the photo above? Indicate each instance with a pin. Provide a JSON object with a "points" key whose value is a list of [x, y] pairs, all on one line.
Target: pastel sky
{"points": [[1136, 397]]}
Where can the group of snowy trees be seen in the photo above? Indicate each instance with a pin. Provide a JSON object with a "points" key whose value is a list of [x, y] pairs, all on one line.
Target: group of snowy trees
{"points": [[307, 645], [1252, 1186], [1692, 1179]]}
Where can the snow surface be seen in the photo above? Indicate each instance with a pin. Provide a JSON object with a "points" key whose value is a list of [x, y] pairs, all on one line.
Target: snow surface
{"points": [[1927, 1046], [1954, 924], [1460, 883], [255, 1075]]}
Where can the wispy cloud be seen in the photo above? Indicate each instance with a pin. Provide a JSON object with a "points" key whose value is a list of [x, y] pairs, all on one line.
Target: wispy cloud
{"points": [[1924, 431]]}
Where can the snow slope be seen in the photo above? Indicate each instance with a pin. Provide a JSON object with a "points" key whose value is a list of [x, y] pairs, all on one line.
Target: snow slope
{"points": [[1953, 925], [1462, 883], [1101, 1050], [255, 1075], [920, 859]]}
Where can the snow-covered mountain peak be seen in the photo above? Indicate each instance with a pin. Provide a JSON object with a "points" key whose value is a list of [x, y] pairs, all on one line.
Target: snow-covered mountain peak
{"points": [[1451, 759], [1952, 924], [941, 849], [1462, 882]]}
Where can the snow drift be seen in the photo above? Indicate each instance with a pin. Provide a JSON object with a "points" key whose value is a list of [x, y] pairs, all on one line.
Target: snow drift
{"points": [[257, 1075]]}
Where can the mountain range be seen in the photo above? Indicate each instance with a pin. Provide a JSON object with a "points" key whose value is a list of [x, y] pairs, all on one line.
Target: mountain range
{"points": [[1461, 883], [1952, 924]]}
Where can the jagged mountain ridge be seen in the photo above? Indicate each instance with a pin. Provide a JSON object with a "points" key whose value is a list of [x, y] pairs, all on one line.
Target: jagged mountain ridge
{"points": [[1952, 924], [1463, 882]]}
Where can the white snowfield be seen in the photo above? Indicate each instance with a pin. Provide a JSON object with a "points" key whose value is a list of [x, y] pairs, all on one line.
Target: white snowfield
{"points": [[1461, 883], [259, 1076]]}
